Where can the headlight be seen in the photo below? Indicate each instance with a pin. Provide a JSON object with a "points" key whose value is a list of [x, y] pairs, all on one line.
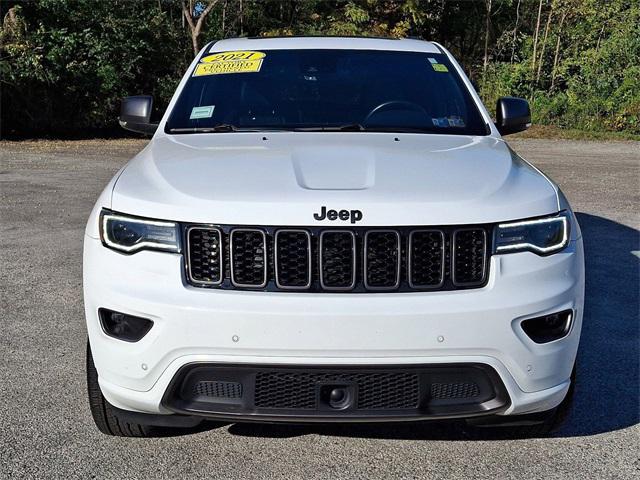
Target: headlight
{"points": [[542, 236], [130, 234]]}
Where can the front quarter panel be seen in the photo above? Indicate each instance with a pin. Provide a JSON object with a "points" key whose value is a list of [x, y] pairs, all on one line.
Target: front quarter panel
{"points": [[104, 201]]}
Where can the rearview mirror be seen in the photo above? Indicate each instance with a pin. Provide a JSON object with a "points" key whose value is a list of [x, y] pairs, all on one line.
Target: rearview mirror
{"points": [[135, 114], [512, 115]]}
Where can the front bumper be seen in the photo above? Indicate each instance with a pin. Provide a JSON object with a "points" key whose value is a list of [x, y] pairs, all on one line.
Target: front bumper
{"points": [[192, 325]]}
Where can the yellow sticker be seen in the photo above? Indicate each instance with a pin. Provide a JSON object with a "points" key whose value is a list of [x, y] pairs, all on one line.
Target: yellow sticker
{"points": [[229, 62], [438, 67]]}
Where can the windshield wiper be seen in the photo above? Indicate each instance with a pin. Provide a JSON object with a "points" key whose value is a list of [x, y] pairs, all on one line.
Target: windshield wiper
{"points": [[349, 127], [222, 127]]}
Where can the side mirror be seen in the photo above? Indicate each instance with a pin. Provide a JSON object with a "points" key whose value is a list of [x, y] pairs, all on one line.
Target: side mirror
{"points": [[512, 115], [135, 114]]}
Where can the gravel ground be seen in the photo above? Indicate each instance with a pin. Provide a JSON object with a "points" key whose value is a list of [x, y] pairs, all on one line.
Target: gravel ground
{"points": [[46, 192]]}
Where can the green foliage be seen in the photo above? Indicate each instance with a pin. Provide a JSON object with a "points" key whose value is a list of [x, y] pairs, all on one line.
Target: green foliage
{"points": [[65, 64], [596, 83], [67, 68]]}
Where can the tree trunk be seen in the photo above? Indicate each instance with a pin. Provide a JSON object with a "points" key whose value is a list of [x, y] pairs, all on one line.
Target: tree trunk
{"points": [[544, 43], [224, 18], [195, 22], [535, 39], [486, 40], [600, 37], [515, 33], [557, 54]]}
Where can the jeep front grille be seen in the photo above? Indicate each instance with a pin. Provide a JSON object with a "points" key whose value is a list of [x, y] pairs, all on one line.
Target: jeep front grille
{"points": [[356, 259], [382, 256], [293, 259], [204, 255], [426, 258], [337, 260], [248, 247]]}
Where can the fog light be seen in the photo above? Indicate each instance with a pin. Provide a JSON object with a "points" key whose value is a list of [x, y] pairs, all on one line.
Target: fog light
{"points": [[122, 326], [549, 327]]}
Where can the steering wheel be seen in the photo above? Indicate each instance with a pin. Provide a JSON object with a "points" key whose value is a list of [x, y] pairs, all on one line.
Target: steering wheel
{"points": [[391, 103]]}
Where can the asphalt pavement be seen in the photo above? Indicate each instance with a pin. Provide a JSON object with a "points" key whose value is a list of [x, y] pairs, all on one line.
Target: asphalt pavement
{"points": [[47, 190]]}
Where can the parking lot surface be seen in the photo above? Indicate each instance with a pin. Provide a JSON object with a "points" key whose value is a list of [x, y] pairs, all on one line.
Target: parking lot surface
{"points": [[47, 190]]}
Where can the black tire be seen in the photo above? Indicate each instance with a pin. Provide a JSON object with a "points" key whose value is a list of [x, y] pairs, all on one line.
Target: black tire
{"points": [[534, 425], [104, 414]]}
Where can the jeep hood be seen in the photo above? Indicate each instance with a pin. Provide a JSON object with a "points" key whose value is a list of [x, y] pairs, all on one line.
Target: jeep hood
{"points": [[282, 178]]}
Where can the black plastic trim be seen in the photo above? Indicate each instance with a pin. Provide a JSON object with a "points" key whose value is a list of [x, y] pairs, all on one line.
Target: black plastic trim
{"points": [[103, 312], [244, 410], [541, 339]]}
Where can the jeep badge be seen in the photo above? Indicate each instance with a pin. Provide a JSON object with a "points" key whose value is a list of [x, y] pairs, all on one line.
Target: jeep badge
{"points": [[353, 215]]}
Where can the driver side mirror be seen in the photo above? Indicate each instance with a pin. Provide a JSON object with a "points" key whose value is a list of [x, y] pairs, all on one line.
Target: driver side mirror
{"points": [[512, 115], [135, 114]]}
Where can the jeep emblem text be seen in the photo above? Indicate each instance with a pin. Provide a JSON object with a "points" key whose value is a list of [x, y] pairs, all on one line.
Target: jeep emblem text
{"points": [[353, 215]]}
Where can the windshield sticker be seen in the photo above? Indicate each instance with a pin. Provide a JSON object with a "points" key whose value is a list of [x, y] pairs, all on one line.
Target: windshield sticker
{"points": [[438, 67], [201, 112], [229, 62], [440, 122], [446, 122], [455, 121], [432, 60]]}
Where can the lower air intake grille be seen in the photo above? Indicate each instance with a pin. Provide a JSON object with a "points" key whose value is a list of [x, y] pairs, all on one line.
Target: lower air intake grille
{"points": [[218, 389], [292, 390], [335, 392], [454, 390], [388, 391]]}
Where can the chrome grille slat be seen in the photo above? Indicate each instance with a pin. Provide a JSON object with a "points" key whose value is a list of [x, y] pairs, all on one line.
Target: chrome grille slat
{"points": [[379, 265], [289, 271], [248, 251], [338, 269], [204, 253], [468, 260], [426, 259]]}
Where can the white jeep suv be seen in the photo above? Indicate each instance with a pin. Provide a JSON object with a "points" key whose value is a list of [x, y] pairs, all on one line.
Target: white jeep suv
{"points": [[329, 229]]}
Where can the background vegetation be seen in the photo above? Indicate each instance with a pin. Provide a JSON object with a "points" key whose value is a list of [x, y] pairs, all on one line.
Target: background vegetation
{"points": [[64, 64]]}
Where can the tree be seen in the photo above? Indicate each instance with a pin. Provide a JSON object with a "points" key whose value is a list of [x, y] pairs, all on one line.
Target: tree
{"points": [[486, 39], [535, 38], [65, 65], [195, 12], [544, 43]]}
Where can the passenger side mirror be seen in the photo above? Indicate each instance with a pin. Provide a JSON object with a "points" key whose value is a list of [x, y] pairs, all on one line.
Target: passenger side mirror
{"points": [[512, 115], [135, 114]]}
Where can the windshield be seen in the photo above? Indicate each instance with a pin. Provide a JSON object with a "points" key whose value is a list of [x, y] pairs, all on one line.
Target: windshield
{"points": [[311, 90]]}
